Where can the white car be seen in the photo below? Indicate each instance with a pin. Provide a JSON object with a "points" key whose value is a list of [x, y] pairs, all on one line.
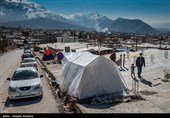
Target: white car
{"points": [[25, 83], [27, 51], [29, 62]]}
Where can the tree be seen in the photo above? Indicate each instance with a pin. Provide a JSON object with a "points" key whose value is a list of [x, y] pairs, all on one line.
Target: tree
{"points": [[3, 44], [160, 45], [25, 41], [80, 35]]}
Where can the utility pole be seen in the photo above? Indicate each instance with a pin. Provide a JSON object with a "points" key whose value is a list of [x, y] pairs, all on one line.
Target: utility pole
{"points": [[161, 42], [136, 44], [74, 36]]}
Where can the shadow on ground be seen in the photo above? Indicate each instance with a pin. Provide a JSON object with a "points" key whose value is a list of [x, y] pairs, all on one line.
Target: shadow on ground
{"points": [[146, 82], [22, 102], [145, 92], [103, 106], [87, 103]]}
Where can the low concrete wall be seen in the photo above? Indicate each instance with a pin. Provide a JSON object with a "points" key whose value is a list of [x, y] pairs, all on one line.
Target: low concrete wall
{"points": [[52, 80]]}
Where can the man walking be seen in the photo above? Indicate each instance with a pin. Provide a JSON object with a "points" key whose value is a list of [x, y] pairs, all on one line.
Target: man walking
{"points": [[140, 61]]}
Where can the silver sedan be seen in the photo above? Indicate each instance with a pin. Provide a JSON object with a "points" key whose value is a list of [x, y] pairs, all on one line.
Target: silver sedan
{"points": [[29, 62], [25, 83]]}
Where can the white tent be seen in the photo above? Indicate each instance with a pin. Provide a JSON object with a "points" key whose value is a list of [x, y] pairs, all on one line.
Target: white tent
{"points": [[86, 75]]}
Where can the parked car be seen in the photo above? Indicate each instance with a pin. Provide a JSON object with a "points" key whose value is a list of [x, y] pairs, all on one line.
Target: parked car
{"points": [[26, 47], [21, 47], [27, 55], [27, 50], [29, 62], [124, 50], [25, 83]]}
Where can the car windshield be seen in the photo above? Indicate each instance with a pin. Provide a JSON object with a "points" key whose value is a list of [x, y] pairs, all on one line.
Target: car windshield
{"points": [[27, 50], [27, 55], [24, 75], [28, 60]]}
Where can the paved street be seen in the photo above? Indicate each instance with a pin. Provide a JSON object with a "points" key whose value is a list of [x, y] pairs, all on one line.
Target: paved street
{"points": [[8, 59], [47, 104]]}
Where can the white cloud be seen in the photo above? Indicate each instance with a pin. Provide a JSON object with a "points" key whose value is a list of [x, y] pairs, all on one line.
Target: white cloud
{"points": [[63, 15], [73, 16], [95, 16], [2, 14], [17, 1], [97, 27], [105, 30], [34, 14]]}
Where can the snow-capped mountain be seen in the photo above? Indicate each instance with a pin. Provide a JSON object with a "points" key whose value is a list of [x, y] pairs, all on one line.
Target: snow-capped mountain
{"points": [[31, 12], [104, 24], [92, 20], [16, 10]]}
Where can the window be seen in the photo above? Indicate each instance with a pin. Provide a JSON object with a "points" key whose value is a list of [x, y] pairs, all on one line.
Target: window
{"points": [[24, 75], [28, 55], [28, 60]]}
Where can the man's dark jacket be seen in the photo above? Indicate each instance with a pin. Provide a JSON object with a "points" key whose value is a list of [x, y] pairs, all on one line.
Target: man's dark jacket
{"points": [[138, 61]]}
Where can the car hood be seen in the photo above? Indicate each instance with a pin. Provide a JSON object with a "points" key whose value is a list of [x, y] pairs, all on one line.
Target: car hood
{"points": [[21, 83]]}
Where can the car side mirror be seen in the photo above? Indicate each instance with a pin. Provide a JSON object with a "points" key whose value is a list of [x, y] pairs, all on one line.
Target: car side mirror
{"points": [[41, 76], [8, 79]]}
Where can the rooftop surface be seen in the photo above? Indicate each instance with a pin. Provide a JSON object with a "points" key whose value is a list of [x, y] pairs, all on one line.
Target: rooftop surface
{"points": [[155, 98]]}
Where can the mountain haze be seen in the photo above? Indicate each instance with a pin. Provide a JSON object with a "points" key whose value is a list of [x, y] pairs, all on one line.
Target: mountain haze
{"points": [[131, 26], [45, 23], [103, 23], [30, 14], [93, 20]]}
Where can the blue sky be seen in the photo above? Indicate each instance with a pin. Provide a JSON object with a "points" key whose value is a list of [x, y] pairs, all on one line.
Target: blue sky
{"points": [[150, 11]]}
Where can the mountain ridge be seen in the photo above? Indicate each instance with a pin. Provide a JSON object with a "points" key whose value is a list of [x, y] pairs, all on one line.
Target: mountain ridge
{"points": [[44, 23], [23, 10], [99, 22]]}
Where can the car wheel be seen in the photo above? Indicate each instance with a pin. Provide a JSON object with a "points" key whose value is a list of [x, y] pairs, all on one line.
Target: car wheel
{"points": [[10, 100], [41, 96]]}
